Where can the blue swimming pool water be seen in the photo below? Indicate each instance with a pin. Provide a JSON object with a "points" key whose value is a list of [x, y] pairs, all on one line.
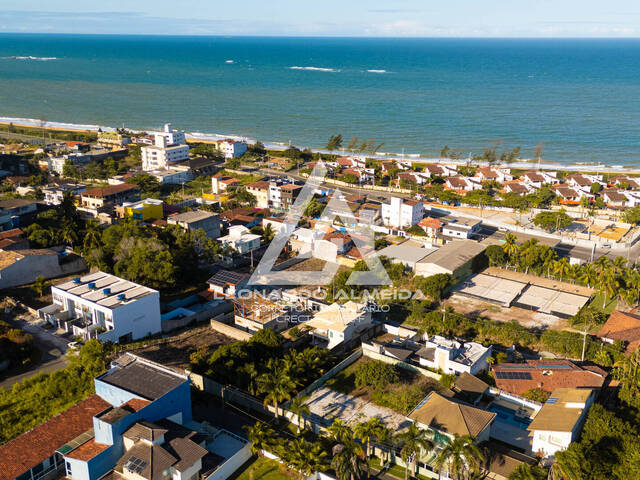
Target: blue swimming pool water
{"points": [[507, 415]]}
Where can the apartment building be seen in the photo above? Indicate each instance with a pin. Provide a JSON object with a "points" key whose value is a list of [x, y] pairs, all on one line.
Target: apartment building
{"points": [[231, 148], [198, 220], [169, 147], [401, 213], [103, 306]]}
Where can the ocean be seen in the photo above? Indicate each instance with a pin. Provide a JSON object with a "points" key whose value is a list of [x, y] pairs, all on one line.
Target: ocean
{"points": [[580, 97]]}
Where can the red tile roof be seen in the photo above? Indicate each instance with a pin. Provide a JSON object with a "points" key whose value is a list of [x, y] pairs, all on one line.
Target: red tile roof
{"points": [[136, 404], [430, 222], [14, 232], [87, 450], [547, 375], [110, 190], [624, 327], [31, 448]]}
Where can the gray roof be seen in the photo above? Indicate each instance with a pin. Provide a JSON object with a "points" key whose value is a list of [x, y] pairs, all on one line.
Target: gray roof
{"points": [[143, 379], [405, 252], [193, 216], [455, 254]]}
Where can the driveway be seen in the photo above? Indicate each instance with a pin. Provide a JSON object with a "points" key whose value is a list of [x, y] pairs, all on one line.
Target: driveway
{"points": [[53, 348]]}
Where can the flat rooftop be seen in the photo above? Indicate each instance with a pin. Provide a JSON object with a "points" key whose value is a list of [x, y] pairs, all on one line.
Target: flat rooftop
{"points": [[539, 281], [105, 289], [141, 378], [490, 288]]}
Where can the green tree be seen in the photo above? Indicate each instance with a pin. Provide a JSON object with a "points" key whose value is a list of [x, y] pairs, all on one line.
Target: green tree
{"points": [[340, 431], [38, 285], [460, 456], [349, 460], [334, 143], [414, 441], [365, 431], [528, 472], [300, 409], [276, 387], [496, 255], [557, 220], [261, 436], [632, 215]]}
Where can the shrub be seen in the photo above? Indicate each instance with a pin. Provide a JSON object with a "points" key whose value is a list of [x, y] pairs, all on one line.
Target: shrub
{"points": [[536, 394], [376, 373], [447, 379]]}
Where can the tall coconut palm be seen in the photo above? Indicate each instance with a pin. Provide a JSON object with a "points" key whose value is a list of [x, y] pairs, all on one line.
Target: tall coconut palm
{"points": [[340, 431], [261, 436], [602, 264], [459, 456], [349, 460], [92, 236], [414, 441], [588, 275], [510, 246], [562, 267], [307, 457], [365, 431], [301, 410], [609, 285], [277, 387]]}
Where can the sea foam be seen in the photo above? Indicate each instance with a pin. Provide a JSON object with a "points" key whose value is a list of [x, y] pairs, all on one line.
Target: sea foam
{"points": [[40, 59], [315, 69]]}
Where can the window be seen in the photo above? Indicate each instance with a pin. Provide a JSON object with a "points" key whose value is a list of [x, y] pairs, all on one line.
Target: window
{"points": [[68, 467]]}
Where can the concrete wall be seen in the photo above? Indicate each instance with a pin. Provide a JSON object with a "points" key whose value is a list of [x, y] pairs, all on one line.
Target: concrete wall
{"points": [[229, 330], [169, 323], [27, 269], [225, 470]]}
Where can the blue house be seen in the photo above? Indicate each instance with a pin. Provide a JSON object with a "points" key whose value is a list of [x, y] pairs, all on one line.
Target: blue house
{"points": [[138, 391]]}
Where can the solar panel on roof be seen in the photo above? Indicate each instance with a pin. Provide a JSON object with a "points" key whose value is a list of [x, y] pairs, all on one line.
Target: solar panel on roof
{"points": [[552, 400], [135, 464]]}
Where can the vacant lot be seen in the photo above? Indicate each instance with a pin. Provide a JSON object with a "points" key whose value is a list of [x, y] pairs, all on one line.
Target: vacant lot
{"points": [[401, 397], [527, 318], [175, 351]]}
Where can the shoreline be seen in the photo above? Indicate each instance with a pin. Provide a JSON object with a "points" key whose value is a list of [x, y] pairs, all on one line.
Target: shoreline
{"points": [[523, 164]]}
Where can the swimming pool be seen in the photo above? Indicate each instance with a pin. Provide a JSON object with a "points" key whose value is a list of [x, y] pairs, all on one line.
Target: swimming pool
{"points": [[508, 415]]}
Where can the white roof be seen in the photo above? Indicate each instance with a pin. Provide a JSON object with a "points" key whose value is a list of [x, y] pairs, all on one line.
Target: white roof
{"points": [[104, 289], [337, 317]]}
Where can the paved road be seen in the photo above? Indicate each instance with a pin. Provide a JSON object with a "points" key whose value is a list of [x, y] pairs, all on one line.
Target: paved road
{"points": [[53, 350]]}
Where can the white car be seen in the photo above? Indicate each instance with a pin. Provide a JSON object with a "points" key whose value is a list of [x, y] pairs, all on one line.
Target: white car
{"points": [[73, 346]]}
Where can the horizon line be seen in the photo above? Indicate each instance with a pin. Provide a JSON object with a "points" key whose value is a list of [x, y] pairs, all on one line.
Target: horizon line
{"points": [[266, 35]]}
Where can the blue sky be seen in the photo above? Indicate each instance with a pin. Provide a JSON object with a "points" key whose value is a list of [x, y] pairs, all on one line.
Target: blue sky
{"points": [[402, 18]]}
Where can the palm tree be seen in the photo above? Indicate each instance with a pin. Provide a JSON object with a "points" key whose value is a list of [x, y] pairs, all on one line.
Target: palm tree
{"points": [[92, 236], [414, 440], [68, 234], [268, 233], [511, 247], [307, 457], [562, 267], [340, 431], [602, 264], [384, 437], [260, 435], [300, 409], [348, 460], [365, 431], [524, 472], [609, 284], [589, 275], [459, 455], [277, 387]]}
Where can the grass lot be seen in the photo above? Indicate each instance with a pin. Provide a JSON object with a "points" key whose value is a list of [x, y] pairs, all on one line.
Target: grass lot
{"points": [[263, 469], [609, 306], [394, 470], [402, 396]]}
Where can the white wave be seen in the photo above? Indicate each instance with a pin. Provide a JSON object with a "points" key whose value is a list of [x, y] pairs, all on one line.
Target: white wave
{"points": [[40, 59], [377, 71], [315, 69], [229, 61]]}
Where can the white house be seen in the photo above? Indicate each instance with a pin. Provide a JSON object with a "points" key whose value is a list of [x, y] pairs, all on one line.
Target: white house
{"points": [[560, 420], [240, 239], [169, 147], [53, 195], [462, 228], [401, 213], [103, 306], [231, 148], [453, 357], [335, 323]]}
